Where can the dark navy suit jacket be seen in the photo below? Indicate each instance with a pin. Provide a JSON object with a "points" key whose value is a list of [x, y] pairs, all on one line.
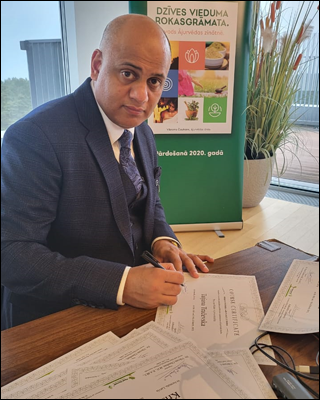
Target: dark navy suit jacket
{"points": [[66, 236]]}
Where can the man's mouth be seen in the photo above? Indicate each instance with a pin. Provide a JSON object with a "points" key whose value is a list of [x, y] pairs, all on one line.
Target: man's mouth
{"points": [[134, 110]]}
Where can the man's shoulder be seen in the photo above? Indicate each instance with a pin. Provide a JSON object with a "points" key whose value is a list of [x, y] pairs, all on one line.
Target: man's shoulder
{"points": [[58, 111], [144, 128], [58, 106]]}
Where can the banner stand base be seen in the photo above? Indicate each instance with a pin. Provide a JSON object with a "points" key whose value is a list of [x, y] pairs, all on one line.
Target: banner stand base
{"points": [[216, 226], [219, 234]]}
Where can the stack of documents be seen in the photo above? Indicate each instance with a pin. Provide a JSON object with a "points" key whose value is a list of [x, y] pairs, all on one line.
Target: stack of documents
{"points": [[150, 362], [198, 348], [295, 308]]}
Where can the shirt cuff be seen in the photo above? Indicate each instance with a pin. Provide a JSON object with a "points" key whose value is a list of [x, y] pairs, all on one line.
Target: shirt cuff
{"points": [[121, 287], [165, 238]]}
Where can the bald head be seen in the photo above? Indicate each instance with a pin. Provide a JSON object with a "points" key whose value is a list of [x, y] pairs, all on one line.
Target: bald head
{"points": [[129, 69], [132, 23]]}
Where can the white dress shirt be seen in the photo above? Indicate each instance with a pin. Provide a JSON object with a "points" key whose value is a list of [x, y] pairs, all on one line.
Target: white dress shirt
{"points": [[115, 132]]}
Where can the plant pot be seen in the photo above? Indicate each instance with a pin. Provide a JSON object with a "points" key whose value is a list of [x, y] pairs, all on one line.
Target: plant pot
{"points": [[257, 175], [191, 114]]}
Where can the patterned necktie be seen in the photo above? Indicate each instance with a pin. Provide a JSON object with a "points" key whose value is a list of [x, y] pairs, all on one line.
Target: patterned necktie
{"points": [[127, 161]]}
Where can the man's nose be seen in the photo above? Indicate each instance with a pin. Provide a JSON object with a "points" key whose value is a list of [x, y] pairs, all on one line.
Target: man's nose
{"points": [[139, 92]]}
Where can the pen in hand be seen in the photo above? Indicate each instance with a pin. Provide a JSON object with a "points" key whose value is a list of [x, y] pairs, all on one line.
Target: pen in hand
{"points": [[149, 258]]}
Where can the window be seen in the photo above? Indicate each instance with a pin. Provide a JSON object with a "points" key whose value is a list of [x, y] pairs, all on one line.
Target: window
{"points": [[302, 172], [31, 57]]}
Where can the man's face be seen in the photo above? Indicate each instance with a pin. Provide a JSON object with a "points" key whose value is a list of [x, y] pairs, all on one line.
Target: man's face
{"points": [[129, 76]]}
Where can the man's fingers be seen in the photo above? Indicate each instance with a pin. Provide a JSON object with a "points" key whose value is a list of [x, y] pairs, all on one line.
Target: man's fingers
{"points": [[176, 261], [171, 289], [190, 265], [200, 264], [192, 262], [169, 300], [174, 278], [168, 266]]}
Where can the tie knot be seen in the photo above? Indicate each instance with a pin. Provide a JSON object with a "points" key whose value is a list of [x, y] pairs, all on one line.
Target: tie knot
{"points": [[126, 139]]}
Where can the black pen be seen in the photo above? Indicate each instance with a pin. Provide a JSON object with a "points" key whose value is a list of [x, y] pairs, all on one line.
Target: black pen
{"points": [[149, 257]]}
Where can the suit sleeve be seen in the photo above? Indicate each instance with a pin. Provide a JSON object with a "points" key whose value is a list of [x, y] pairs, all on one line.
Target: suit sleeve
{"points": [[30, 188]]}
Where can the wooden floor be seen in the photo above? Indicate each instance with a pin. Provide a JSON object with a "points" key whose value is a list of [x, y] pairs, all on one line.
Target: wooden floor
{"points": [[302, 165], [294, 224]]}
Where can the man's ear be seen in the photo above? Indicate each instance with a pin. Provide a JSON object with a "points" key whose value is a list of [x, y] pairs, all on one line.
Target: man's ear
{"points": [[96, 61]]}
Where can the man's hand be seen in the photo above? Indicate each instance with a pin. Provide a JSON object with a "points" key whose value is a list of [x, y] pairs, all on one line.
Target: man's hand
{"points": [[148, 287], [165, 251]]}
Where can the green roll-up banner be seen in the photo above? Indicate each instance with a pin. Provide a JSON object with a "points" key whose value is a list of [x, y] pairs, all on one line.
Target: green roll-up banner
{"points": [[199, 121]]}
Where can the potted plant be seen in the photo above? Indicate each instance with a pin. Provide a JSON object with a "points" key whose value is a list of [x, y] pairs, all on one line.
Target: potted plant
{"points": [[192, 109], [276, 67]]}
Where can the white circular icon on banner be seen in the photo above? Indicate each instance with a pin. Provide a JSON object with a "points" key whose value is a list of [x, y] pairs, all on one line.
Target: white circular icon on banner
{"points": [[215, 110], [168, 85]]}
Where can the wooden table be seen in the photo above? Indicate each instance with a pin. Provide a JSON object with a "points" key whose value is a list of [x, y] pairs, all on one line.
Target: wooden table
{"points": [[291, 223], [29, 346]]}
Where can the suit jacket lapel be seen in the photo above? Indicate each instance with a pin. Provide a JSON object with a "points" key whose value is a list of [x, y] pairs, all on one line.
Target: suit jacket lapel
{"points": [[145, 154], [101, 147], [99, 142]]}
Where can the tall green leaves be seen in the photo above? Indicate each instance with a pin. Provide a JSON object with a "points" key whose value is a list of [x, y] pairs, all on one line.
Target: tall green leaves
{"points": [[275, 72]]}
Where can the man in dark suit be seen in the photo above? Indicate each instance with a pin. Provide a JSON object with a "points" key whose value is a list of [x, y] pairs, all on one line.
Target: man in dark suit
{"points": [[73, 223]]}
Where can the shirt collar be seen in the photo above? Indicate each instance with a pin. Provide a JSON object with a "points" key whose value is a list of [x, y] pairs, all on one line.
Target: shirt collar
{"points": [[114, 131]]}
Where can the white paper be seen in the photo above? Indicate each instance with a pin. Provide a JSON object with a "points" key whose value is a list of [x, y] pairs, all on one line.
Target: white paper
{"points": [[295, 308], [153, 326], [216, 311], [58, 383], [241, 364], [142, 346], [182, 371], [55, 371]]}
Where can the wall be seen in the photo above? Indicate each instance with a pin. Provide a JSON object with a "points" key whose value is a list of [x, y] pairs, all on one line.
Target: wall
{"points": [[86, 22]]}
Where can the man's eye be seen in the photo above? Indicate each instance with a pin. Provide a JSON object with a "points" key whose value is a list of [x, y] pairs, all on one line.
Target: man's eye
{"points": [[154, 82], [127, 74]]}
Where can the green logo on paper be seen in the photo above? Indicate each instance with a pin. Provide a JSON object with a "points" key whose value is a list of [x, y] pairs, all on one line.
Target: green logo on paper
{"points": [[215, 109], [122, 379]]}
